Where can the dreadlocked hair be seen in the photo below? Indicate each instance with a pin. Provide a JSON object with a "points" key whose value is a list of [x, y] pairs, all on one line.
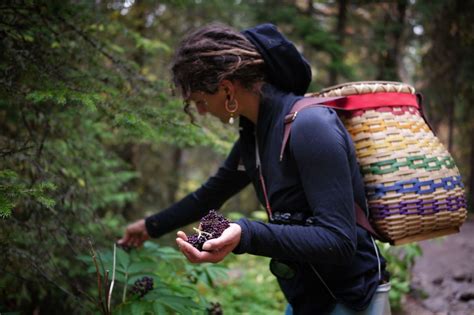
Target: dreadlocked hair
{"points": [[211, 54]]}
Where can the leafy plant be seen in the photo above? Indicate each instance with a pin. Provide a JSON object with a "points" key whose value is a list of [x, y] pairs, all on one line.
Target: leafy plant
{"points": [[250, 288], [177, 284], [400, 260]]}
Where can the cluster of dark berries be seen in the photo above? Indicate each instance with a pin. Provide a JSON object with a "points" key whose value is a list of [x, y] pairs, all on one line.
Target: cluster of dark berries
{"points": [[215, 309], [142, 286], [211, 226]]}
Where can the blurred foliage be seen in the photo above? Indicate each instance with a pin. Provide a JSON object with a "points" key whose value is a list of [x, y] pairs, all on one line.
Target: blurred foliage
{"points": [[400, 260], [93, 136], [250, 288]]}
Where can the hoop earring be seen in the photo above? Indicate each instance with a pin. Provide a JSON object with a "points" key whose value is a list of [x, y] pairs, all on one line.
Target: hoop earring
{"points": [[235, 105]]}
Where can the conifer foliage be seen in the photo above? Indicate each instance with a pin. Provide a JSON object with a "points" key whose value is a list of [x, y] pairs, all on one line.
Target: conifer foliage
{"points": [[69, 97]]}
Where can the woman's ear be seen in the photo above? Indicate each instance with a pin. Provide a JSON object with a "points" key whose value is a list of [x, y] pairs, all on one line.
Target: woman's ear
{"points": [[228, 87]]}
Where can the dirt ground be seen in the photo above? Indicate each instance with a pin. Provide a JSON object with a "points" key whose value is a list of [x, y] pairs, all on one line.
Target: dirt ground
{"points": [[443, 278]]}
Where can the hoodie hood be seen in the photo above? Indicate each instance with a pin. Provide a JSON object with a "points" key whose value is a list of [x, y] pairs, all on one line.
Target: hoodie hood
{"points": [[285, 67]]}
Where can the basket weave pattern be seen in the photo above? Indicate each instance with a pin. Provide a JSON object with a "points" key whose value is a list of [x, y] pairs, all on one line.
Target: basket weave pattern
{"points": [[412, 184]]}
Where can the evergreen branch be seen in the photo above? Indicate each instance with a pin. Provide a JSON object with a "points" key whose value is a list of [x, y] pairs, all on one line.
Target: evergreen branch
{"points": [[7, 152], [32, 260], [42, 141], [116, 61]]}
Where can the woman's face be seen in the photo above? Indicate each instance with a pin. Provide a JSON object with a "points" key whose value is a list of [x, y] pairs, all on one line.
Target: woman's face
{"points": [[213, 104]]}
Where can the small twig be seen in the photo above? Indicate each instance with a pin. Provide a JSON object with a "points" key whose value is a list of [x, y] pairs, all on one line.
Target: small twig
{"points": [[113, 280], [99, 281], [42, 141], [5, 152], [106, 287], [202, 232]]}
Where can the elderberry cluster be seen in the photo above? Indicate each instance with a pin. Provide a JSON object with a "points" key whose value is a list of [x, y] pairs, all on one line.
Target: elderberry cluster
{"points": [[215, 309], [211, 226], [142, 286]]}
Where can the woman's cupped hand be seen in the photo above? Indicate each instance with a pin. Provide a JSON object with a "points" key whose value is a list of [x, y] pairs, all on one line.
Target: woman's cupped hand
{"points": [[214, 250]]}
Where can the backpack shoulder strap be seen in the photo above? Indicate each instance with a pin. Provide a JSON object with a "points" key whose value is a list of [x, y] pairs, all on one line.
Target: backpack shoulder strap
{"points": [[361, 217], [363, 222], [299, 105]]}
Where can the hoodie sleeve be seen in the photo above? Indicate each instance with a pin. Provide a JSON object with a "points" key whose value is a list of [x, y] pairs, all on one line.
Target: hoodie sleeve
{"points": [[321, 150], [211, 195]]}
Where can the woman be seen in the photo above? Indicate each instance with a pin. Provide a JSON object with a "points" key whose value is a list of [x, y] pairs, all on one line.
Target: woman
{"points": [[324, 262]]}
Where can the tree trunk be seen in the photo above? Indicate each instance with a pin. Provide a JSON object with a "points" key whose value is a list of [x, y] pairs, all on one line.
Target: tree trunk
{"points": [[450, 127], [389, 59], [340, 32], [131, 151], [175, 173], [470, 196]]}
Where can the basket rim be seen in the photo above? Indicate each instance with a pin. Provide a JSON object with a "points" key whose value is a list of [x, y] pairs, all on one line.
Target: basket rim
{"points": [[334, 87]]}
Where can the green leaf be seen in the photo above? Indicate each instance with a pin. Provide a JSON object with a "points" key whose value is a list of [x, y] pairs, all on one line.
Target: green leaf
{"points": [[182, 305], [159, 308], [169, 253], [123, 259], [140, 267], [141, 308]]}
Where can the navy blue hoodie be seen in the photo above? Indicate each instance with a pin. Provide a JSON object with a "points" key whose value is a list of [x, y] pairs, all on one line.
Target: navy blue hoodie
{"points": [[318, 177]]}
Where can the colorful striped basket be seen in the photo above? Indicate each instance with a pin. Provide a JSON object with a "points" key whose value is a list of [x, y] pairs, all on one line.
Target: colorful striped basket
{"points": [[413, 187]]}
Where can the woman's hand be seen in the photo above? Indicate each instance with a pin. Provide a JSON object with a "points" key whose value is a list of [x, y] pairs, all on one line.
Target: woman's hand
{"points": [[135, 234], [215, 250]]}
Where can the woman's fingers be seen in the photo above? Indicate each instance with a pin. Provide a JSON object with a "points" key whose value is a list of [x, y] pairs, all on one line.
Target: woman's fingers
{"points": [[124, 240], [182, 235], [230, 237], [191, 253]]}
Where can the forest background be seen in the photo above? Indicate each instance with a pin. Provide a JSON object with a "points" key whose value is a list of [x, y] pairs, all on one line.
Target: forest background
{"points": [[92, 137]]}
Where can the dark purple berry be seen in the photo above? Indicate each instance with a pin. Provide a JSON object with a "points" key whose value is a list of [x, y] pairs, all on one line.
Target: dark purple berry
{"points": [[197, 241], [142, 286], [211, 226]]}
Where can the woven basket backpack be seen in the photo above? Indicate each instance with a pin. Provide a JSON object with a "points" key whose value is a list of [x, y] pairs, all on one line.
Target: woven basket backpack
{"points": [[413, 187]]}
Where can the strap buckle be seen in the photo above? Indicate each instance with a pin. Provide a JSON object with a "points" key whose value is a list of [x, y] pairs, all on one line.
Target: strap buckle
{"points": [[290, 117]]}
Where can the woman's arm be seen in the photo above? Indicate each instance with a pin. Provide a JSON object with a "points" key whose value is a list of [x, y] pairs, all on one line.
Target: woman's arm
{"points": [[321, 149], [211, 195]]}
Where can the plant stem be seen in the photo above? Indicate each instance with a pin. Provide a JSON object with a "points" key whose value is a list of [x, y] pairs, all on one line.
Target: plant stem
{"points": [[125, 288], [113, 280], [99, 282]]}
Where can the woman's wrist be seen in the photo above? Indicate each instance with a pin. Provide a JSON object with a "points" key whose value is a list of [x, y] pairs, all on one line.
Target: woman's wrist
{"points": [[244, 242]]}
